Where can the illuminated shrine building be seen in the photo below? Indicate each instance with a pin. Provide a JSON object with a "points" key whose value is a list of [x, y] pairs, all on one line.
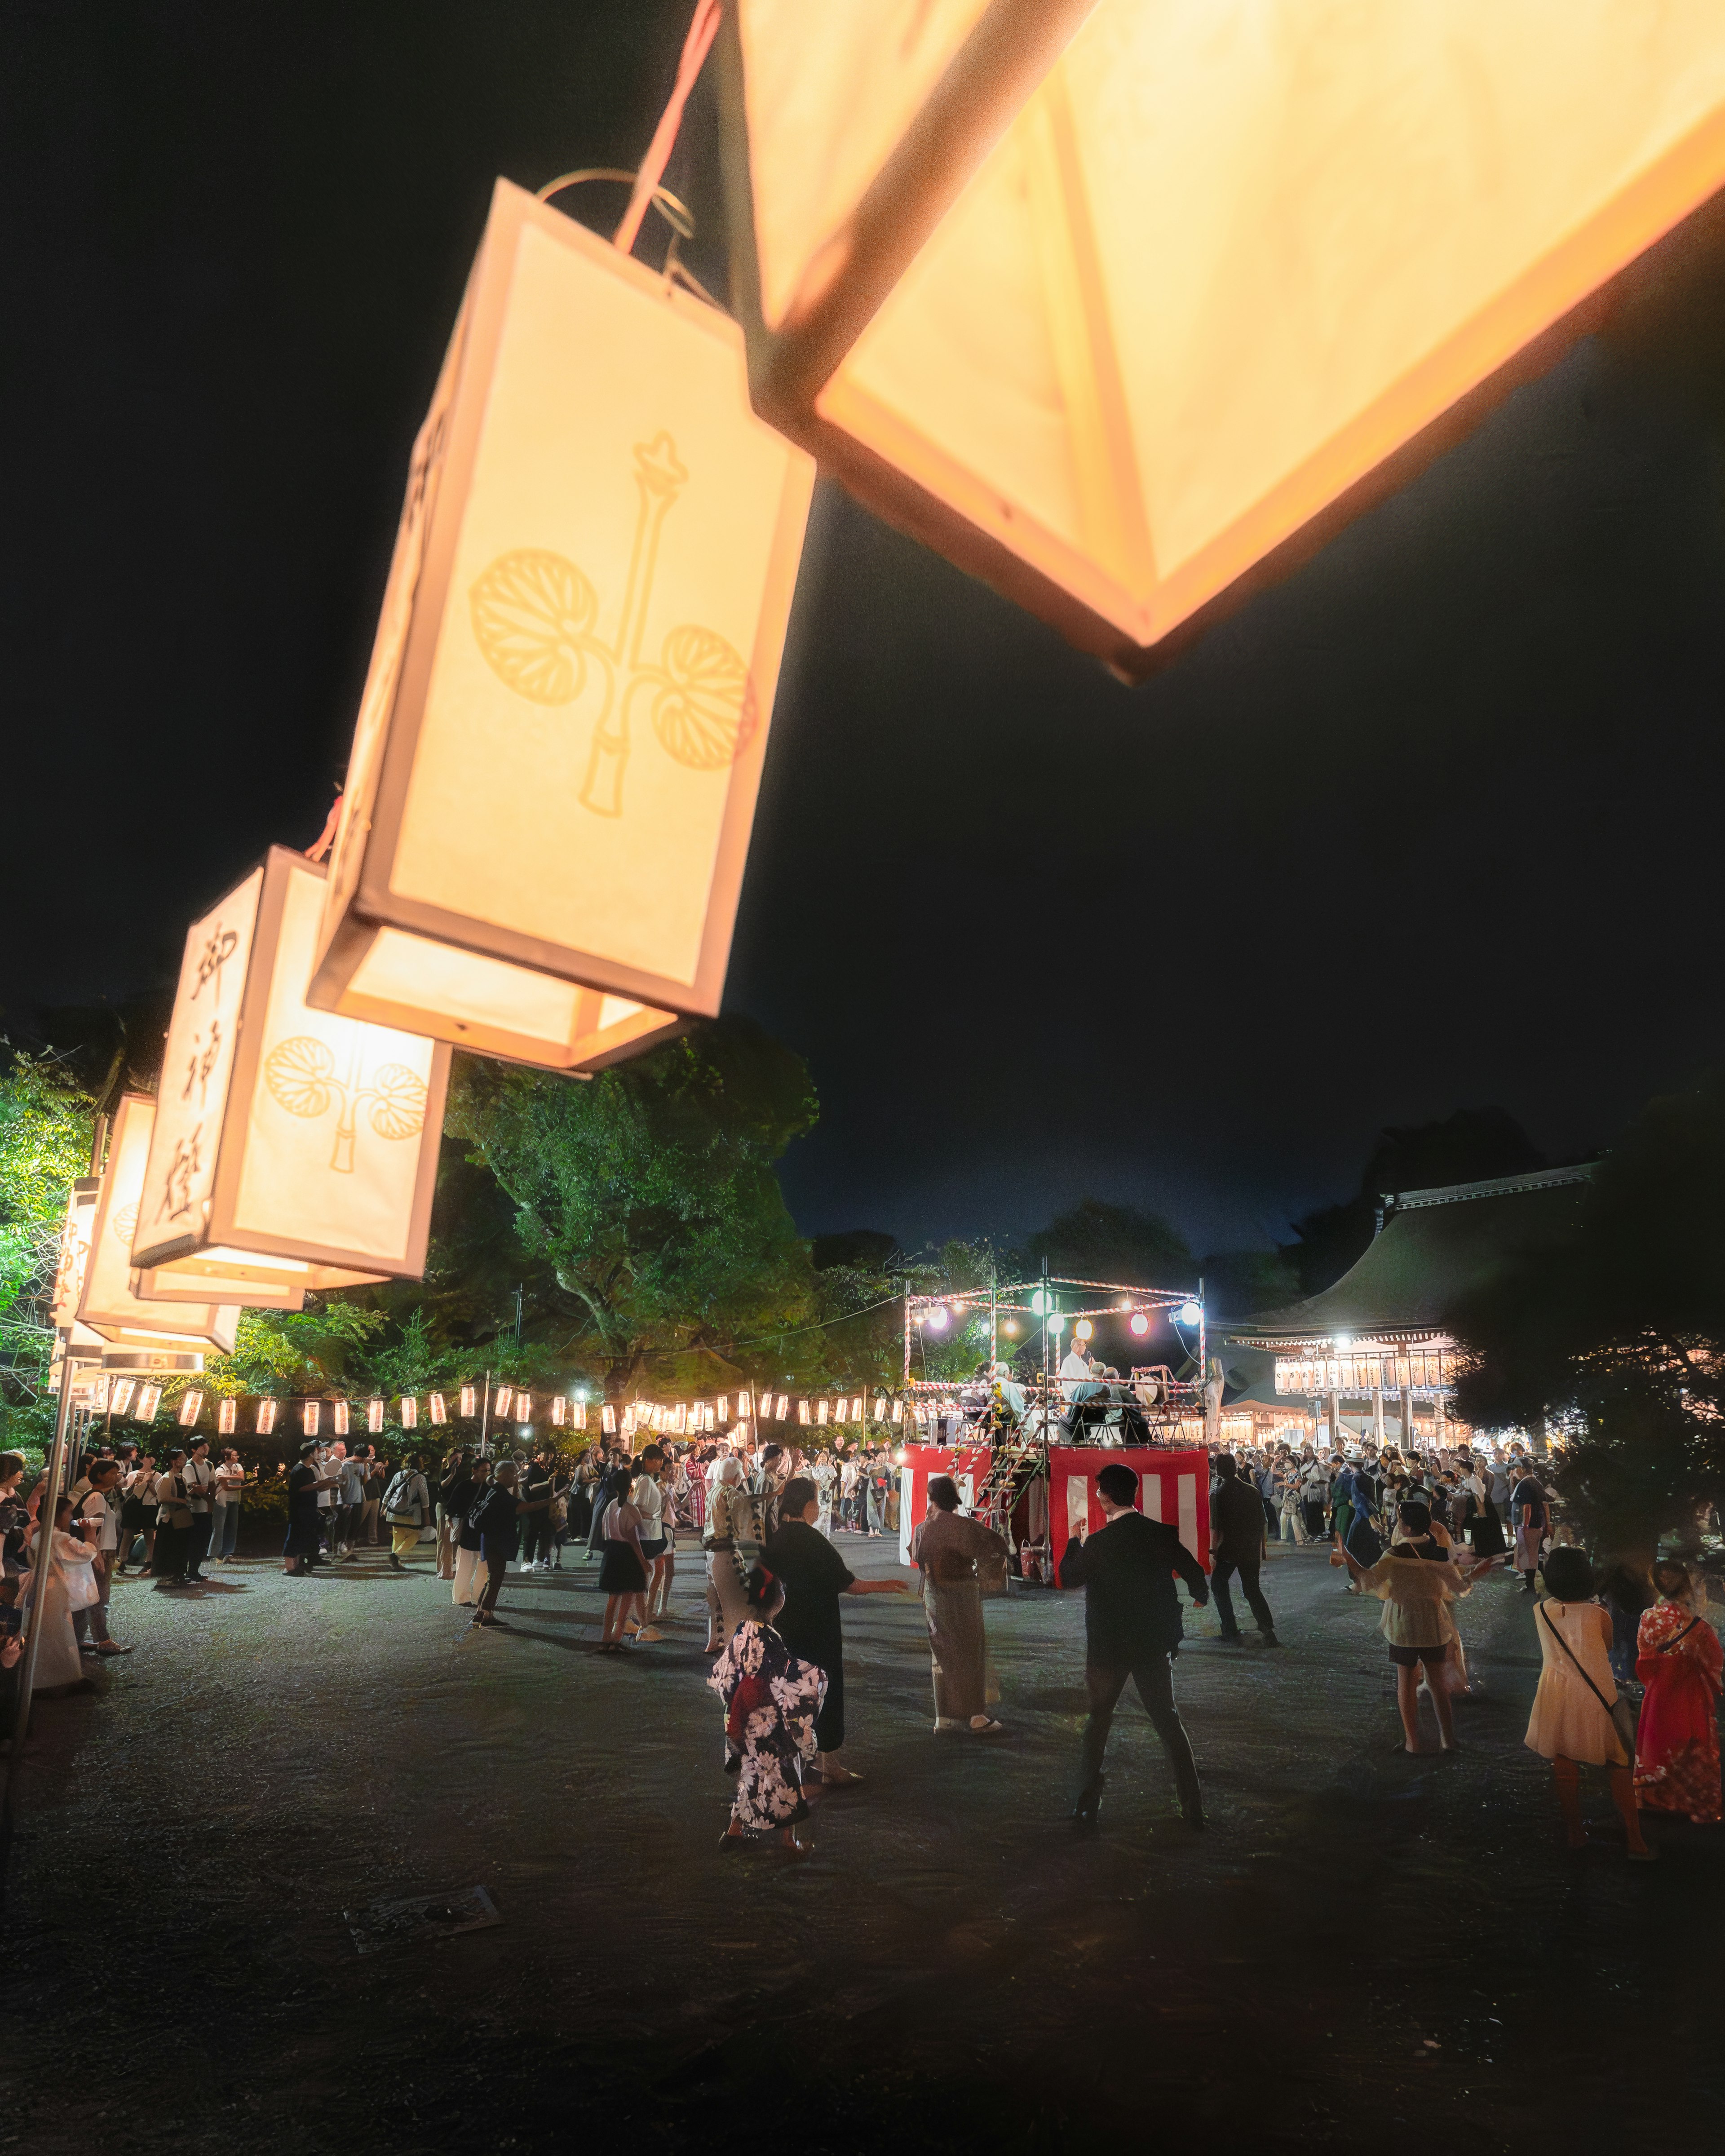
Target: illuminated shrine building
{"points": [[1373, 1356]]}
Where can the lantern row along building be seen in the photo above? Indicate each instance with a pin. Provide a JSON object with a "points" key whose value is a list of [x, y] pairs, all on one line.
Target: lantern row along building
{"points": [[1373, 1356]]}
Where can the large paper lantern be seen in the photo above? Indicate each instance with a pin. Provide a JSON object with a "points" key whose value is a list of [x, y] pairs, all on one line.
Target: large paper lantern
{"points": [[293, 1149], [108, 1305], [554, 771], [1161, 325]]}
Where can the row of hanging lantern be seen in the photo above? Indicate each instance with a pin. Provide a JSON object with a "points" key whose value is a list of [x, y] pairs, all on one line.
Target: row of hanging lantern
{"points": [[125, 1397], [1111, 303]]}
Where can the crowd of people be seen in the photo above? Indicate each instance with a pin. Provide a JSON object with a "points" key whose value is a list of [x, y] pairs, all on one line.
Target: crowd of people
{"points": [[1415, 1531]]}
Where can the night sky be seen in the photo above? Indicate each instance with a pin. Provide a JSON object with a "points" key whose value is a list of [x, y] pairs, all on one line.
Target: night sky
{"points": [[1432, 824]]}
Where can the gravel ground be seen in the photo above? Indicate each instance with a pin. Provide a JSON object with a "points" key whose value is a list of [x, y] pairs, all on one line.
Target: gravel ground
{"points": [[1362, 1944]]}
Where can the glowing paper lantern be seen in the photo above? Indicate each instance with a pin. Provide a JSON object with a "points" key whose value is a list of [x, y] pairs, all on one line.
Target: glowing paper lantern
{"points": [[1084, 1330], [724, 1409], [803, 1416], [374, 1417], [607, 1419], [292, 1149], [149, 1400], [310, 1417], [71, 1262], [1140, 1323], [470, 1399], [409, 1413], [108, 1304], [119, 1394], [1113, 329], [266, 1417], [437, 1408], [338, 1417], [559, 1411], [820, 1413], [190, 1407], [554, 769], [578, 1414], [500, 1400], [227, 1415], [897, 1410]]}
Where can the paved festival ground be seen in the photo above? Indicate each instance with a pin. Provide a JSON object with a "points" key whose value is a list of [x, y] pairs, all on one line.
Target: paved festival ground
{"points": [[1364, 1950]]}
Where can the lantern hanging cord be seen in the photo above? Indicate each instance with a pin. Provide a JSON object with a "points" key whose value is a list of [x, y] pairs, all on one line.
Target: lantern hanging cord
{"points": [[703, 29], [676, 212]]}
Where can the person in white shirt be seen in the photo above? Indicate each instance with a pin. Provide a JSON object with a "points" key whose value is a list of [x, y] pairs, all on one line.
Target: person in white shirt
{"points": [[99, 1511], [230, 1489], [138, 1514], [200, 1479], [647, 1496]]}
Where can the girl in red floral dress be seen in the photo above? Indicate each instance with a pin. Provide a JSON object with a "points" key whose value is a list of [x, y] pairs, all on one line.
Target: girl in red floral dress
{"points": [[1678, 1658]]}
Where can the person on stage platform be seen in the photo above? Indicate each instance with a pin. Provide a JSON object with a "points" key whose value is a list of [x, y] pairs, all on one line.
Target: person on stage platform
{"points": [[1079, 1387], [1132, 1629], [813, 1576]]}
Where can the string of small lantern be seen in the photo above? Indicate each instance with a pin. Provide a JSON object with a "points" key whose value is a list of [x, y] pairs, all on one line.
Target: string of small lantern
{"points": [[140, 1400]]}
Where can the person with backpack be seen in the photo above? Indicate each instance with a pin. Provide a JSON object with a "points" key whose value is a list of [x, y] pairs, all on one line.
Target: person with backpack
{"points": [[497, 1516], [407, 1505], [138, 1514]]}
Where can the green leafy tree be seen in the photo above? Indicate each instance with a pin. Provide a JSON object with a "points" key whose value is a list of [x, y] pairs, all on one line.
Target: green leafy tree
{"points": [[649, 1196], [45, 1126]]}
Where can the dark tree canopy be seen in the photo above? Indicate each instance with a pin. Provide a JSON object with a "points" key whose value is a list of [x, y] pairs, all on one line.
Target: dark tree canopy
{"points": [[1094, 1240]]}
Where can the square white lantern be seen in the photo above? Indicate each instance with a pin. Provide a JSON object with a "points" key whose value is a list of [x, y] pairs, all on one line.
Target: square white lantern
{"points": [[338, 1417], [292, 1149], [374, 1417], [267, 1412], [108, 1304], [120, 1395], [500, 1400], [554, 770], [310, 1415], [227, 1415], [409, 1413], [149, 1400], [608, 1420], [190, 1407], [470, 1399], [1128, 326]]}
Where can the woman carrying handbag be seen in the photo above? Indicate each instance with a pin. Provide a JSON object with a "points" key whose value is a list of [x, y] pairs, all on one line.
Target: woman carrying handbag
{"points": [[1578, 1719]]}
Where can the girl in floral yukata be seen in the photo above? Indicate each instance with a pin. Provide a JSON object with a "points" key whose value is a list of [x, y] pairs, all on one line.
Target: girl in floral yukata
{"points": [[771, 1699]]}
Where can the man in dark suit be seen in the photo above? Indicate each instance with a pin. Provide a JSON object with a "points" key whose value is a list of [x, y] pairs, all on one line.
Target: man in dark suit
{"points": [[1237, 1545], [1132, 1629]]}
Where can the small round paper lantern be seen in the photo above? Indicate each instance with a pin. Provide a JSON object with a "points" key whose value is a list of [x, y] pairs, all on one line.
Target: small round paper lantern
{"points": [[554, 768], [1123, 327]]}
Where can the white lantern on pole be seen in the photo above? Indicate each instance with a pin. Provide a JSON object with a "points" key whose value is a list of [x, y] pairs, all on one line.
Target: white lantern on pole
{"points": [[267, 1412], [108, 1304], [1121, 326], [553, 774], [292, 1149]]}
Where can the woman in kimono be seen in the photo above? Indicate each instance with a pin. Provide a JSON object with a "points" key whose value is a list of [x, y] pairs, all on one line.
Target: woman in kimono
{"points": [[771, 1701], [949, 1548], [1678, 1659], [731, 1546], [71, 1585]]}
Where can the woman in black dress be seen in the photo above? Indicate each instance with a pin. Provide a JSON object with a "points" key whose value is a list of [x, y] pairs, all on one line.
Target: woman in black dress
{"points": [[304, 1482], [624, 1571]]}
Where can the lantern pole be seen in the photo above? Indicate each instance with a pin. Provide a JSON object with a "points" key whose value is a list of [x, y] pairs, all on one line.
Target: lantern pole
{"points": [[47, 1563]]}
